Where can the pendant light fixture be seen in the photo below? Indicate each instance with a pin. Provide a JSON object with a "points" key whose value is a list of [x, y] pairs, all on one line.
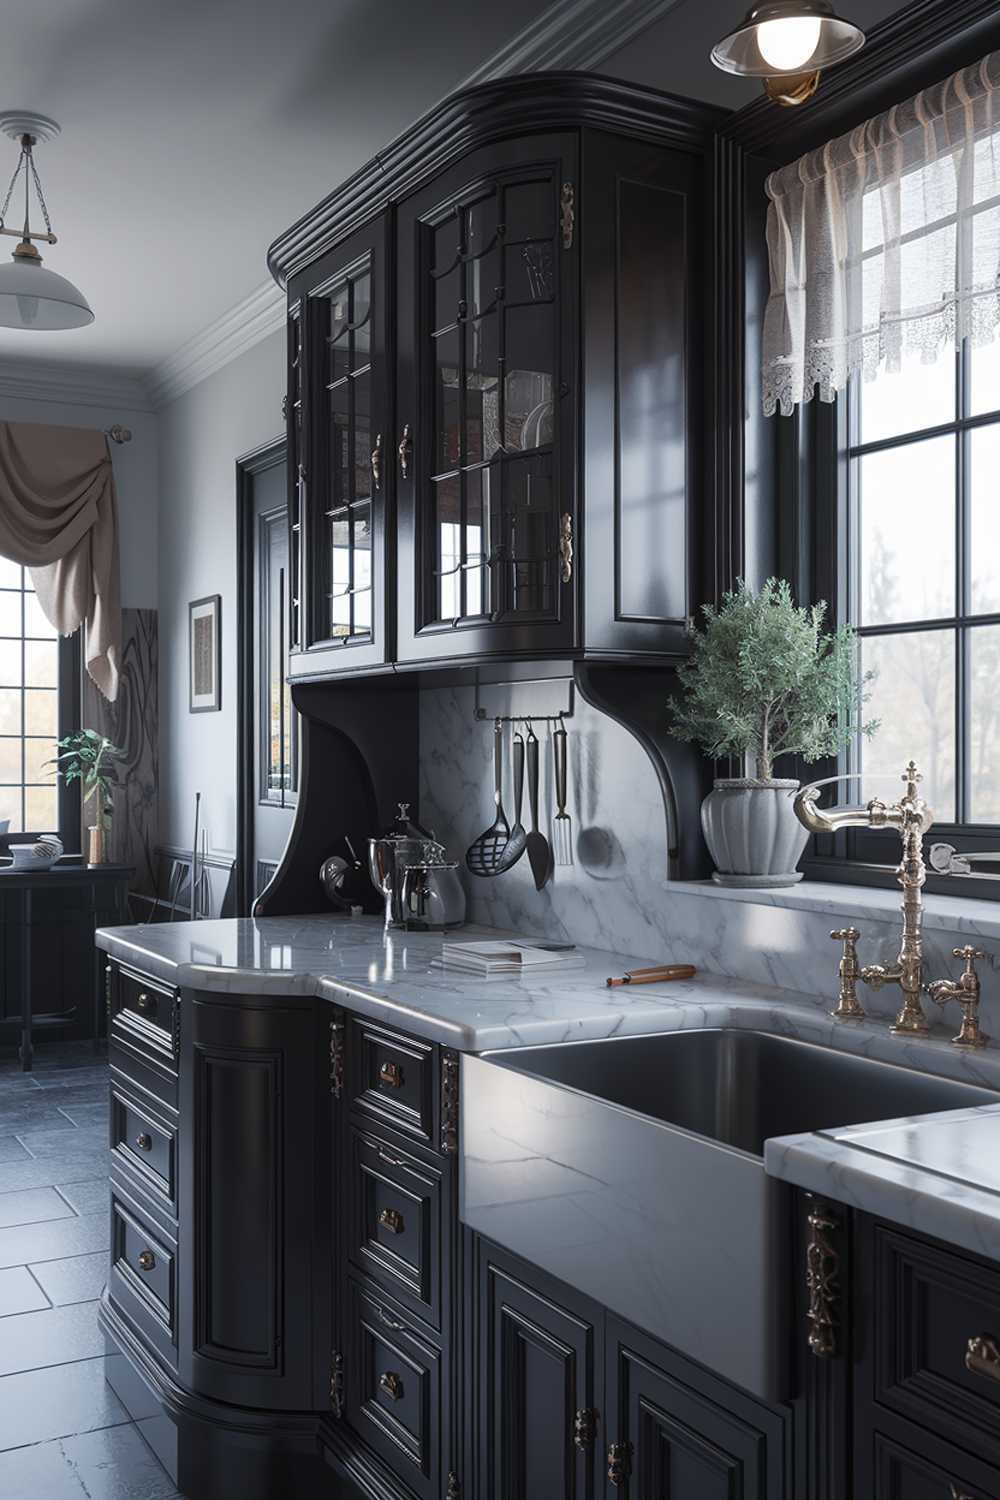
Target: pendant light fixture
{"points": [[31, 296], [787, 44]]}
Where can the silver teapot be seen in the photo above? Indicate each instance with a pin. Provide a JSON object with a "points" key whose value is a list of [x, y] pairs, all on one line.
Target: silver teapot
{"points": [[436, 896]]}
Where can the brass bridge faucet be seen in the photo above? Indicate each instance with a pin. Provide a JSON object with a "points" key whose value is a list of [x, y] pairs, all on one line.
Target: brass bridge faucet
{"points": [[911, 816]]}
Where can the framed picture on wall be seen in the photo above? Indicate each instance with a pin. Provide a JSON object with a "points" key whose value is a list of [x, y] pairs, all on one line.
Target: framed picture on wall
{"points": [[205, 654]]}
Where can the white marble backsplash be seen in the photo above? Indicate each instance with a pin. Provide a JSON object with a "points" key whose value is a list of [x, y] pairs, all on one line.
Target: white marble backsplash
{"points": [[616, 894]]}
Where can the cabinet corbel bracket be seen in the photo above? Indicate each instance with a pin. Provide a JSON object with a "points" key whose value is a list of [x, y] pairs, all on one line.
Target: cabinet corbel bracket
{"points": [[449, 1102], [822, 1279]]}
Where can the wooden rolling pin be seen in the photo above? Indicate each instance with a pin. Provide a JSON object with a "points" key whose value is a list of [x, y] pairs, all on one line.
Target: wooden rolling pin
{"points": [[660, 975]]}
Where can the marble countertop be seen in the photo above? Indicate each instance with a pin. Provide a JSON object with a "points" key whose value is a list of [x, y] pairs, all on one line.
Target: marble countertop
{"points": [[937, 1174]]}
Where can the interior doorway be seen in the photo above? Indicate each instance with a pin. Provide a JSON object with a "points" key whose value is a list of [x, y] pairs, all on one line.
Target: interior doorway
{"points": [[268, 769]]}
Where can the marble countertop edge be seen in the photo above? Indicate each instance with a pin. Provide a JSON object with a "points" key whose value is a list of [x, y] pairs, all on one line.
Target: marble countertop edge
{"points": [[956, 913]]}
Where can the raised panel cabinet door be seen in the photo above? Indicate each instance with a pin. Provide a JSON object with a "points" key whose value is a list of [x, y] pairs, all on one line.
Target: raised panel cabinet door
{"points": [[643, 337], [674, 1431], [539, 1352], [254, 1322], [487, 271], [337, 414]]}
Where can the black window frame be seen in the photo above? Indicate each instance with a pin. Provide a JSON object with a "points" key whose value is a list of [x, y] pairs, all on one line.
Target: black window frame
{"points": [[68, 801]]}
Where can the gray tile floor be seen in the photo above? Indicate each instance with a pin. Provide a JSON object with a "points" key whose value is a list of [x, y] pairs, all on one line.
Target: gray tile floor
{"points": [[63, 1433]]}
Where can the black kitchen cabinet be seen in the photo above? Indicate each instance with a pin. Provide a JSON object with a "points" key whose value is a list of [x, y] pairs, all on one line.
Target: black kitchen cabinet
{"points": [[537, 1376], [496, 384]]}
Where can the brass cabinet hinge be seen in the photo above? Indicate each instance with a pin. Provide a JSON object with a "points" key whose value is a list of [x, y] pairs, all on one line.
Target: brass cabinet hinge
{"points": [[566, 547], [454, 1489], [284, 407], [337, 1030], [585, 1427], [337, 1384], [567, 214], [822, 1279], [619, 1463], [449, 1102]]}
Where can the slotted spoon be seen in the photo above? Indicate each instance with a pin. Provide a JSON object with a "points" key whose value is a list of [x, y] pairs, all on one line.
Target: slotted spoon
{"points": [[518, 841], [485, 856]]}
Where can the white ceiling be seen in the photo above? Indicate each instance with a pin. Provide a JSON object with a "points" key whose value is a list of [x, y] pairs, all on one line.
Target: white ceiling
{"points": [[196, 130]]}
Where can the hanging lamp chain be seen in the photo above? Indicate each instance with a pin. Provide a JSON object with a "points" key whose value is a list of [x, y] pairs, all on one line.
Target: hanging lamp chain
{"points": [[26, 164]]}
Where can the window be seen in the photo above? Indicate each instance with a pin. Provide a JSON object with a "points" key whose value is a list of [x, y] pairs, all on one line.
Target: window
{"points": [[922, 580], [29, 708]]}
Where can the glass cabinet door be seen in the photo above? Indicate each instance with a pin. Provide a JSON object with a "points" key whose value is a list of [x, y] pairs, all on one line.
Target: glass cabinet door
{"points": [[482, 535], [343, 509]]}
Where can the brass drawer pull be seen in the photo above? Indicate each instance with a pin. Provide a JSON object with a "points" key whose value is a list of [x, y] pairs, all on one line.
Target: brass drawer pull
{"points": [[390, 1161], [144, 1142], [392, 1323], [147, 1260], [391, 1384], [982, 1357], [143, 1002], [392, 1074], [392, 1220], [957, 1494]]}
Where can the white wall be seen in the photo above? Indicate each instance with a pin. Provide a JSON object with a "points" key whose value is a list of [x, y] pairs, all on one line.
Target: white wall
{"points": [[201, 435], [135, 466]]}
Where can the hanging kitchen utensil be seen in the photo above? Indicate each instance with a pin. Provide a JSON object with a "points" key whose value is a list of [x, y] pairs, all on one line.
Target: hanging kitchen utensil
{"points": [[562, 823], [484, 856], [518, 841], [539, 852]]}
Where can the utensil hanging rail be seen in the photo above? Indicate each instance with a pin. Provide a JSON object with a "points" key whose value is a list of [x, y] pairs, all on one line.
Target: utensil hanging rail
{"points": [[480, 714]]}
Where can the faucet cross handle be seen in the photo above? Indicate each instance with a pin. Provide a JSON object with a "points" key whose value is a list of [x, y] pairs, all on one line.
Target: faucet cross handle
{"points": [[849, 1007], [965, 990], [970, 954]]}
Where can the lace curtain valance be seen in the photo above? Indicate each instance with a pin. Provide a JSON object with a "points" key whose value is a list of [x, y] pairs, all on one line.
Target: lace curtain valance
{"points": [[886, 241]]}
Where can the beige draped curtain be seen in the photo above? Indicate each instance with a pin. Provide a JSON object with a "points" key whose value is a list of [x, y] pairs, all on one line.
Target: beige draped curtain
{"points": [[59, 518]]}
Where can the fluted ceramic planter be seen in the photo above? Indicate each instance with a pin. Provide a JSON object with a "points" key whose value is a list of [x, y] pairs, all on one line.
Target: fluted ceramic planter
{"points": [[752, 832]]}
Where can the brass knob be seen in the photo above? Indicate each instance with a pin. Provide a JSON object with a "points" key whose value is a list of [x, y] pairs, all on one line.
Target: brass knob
{"points": [[143, 1002], [144, 1142], [147, 1260], [391, 1384], [392, 1220], [982, 1357], [392, 1074]]}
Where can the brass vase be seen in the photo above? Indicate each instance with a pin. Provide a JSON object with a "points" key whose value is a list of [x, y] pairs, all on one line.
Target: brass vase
{"points": [[97, 849]]}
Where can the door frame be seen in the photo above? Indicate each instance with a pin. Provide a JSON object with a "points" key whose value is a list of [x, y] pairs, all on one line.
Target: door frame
{"points": [[248, 466]]}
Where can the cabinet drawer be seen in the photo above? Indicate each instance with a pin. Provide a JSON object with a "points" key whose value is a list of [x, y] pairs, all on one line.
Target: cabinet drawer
{"points": [[937, 1339], [393, 1079], [143, 1278], [397, 1223], [144, 1146], [144, 1031], [394, 1391], [901, 1473]]}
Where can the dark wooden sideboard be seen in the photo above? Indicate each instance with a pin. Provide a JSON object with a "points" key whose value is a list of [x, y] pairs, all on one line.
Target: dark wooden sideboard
{"points": [[51, 975]]}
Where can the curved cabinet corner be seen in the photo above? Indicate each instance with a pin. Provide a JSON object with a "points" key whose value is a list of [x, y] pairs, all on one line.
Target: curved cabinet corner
{"points": [[253, 1097]]}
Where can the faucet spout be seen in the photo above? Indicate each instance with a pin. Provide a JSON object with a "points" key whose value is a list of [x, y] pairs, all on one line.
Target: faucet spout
{"points": [[821, 820]]}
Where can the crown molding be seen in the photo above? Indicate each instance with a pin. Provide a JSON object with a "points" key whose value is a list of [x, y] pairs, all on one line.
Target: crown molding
{"points": [[238, 330], [569, 35], [70, 385]]}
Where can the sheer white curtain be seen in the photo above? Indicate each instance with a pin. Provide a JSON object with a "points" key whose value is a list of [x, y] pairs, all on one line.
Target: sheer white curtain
{"points": [[886, 241]]}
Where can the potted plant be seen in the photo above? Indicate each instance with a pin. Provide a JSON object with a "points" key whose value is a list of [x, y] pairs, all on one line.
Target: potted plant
{"points": [[89, 757], [765, 680]]}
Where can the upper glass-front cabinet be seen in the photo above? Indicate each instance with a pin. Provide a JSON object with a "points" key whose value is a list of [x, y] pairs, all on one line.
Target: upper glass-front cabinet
{"points": [[496, 403], [342, 490], [485, 526]]}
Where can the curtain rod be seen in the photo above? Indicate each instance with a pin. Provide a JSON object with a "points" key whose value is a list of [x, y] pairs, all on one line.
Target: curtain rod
{"points": [[118, 433]]}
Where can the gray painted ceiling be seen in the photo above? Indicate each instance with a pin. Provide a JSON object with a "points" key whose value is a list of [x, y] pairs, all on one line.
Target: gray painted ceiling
{"points": [[194, 131]]}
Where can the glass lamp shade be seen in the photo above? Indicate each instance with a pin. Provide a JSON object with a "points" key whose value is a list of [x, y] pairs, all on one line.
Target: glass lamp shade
{"points": [[787, 37], [33, 297]]}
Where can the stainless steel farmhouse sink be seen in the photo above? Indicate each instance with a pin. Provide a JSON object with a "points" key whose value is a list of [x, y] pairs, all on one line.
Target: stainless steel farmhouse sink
{"points": [[633, 1170]]}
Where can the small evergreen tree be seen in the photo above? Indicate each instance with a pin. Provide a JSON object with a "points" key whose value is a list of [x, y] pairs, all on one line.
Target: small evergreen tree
{"points": [[765, 680]]}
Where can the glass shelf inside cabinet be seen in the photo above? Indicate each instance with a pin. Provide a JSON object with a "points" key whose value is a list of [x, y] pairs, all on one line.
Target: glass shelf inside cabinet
{"points": [[492, 505], [347, 546]]}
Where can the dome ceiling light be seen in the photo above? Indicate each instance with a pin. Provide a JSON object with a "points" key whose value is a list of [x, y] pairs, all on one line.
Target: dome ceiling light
{"points": [[787, 44], [31, 296]]}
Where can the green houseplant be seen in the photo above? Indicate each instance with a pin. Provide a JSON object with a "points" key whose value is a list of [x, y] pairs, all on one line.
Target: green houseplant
{"points": [[89, 758], [765, 679]]}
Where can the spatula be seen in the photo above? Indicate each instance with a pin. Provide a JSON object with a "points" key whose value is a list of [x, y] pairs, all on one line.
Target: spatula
{"points": [[484, 856], [518, 840], [539, 852]]}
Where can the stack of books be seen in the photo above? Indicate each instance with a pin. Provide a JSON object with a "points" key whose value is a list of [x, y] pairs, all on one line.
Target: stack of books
{"points": [[490, 956]]}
